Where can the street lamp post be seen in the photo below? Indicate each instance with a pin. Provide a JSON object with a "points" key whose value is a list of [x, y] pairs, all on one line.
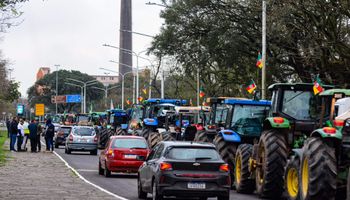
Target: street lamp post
{"points": [[85, 84], [123, 78], [56, 87], [106, 91]]}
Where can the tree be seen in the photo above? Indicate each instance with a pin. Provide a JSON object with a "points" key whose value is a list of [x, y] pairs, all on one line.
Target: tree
{"points": [[44, 89], [9, 13]]}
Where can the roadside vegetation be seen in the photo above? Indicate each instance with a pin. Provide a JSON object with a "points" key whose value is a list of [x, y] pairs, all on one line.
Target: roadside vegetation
{"points": [[3, 152]]}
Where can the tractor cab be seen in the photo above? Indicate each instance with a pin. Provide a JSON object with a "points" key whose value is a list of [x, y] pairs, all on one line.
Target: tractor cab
{"points": [[136, 116], [117, 118], [83, 119]]}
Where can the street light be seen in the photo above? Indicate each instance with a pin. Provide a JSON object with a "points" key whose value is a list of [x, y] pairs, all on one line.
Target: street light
{"points": [[106, 91], [85, 84], [81, 94], [56, 87], [137, 64], [123, 76]]}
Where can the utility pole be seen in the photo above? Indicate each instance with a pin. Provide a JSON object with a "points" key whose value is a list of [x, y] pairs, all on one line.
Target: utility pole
{"points": [[197, 86], [263, 73], [56, 87]]}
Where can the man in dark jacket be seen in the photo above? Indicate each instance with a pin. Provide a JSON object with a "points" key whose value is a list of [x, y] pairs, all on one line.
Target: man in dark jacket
{"points": [[13, 133], [33, 131], [50, 133]]}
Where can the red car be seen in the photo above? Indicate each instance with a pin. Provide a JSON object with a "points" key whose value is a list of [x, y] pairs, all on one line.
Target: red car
{"points": [[123, 154]]}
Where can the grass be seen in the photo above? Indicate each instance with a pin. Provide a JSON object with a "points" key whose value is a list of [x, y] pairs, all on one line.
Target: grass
{"points": [[3, 152]]}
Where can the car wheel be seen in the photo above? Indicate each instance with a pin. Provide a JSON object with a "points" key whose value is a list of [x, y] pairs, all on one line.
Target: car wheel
{"points": [[68, 151], [223, 197], [100, 170], [155, 195], [107, 173], [56, 145], [141, 194]]}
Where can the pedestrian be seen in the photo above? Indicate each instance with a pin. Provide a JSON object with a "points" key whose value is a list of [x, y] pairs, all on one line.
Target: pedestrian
{"points": [[33, 129], [8, 125], [38, 136], [13, 133], [26, 134], [50, 133], [20, 135]]}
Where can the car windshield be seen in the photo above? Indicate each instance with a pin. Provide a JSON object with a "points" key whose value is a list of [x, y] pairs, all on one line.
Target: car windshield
{"points": [[190, 153], [129, 143], [65, 130], [248, 119], [300, 105], [84, 131]]}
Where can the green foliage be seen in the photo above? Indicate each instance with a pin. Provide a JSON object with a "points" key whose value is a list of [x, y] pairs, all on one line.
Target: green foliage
{"points": [[221, 39], [12, 91], [44, 89]]}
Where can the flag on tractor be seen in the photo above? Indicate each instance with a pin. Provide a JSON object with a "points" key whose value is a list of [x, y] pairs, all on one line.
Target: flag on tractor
{"points": [[259, 62], [317, 86], [251, 87], [204, 103], [128, 101], [201, 92], [140, 98], [144, 89]]}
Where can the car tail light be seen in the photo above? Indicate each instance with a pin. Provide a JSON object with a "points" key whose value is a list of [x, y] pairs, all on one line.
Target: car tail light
{"points": [[165, 166], [71, 138], [278, 120], [224, 168], [211, 127], [95, 138], [110, 152], [228, 132], [329, 130], [338, 123]]}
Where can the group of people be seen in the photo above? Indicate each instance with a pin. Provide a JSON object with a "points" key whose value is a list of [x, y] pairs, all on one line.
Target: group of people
{"points": [[20, 131]]}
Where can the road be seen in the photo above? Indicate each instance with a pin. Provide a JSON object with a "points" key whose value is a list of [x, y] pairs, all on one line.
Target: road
{"points": [[124, 185]]}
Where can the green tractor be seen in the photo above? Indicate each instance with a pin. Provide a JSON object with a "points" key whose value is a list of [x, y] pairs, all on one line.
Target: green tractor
{"points": [[320, 169], [292, 118]]}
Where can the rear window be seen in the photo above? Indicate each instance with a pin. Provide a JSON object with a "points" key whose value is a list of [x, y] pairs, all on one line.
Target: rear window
{"points": [[65, 130], [193, 154], [84, 131], [129, 143]]}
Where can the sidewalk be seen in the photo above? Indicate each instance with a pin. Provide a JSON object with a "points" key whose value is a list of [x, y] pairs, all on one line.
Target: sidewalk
{"points": [[33, 176]]}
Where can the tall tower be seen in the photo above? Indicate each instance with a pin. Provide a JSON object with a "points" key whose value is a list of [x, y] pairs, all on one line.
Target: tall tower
{"points": [[125, 40]]}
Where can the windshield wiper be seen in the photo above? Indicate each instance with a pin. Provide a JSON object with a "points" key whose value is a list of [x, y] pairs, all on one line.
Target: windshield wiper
{"points": [[202, 158]]}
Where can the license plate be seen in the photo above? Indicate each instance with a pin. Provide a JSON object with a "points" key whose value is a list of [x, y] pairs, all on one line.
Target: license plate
{"points": [[83, 140], [196, 185], [128, 156]]}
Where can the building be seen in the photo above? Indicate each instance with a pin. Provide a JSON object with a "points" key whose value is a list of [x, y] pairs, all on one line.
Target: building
{"points": [[42, 72], [106, 80]]}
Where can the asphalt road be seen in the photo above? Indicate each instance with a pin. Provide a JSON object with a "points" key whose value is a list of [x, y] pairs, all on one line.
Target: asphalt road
{"points": [[124, 185]]}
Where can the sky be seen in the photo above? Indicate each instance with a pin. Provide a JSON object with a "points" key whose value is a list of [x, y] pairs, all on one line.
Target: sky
{"points": [[70, 33]]}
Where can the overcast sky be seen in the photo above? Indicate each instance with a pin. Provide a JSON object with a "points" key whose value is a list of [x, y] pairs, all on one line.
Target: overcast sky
{"points": [[71, 33]]}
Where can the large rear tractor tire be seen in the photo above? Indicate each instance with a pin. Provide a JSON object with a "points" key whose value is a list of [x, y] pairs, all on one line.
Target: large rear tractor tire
{"points": [[243, 180], [227, 151], [167, 136], [271, 161], [291, 179], [153, 139], [201, 136], [318, 171], [145, 133]]}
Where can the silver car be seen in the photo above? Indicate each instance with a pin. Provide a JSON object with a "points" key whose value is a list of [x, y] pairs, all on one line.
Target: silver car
{"points": [[82, 138]]}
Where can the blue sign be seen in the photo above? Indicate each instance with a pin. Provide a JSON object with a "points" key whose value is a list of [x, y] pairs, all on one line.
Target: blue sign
{"points": [[20, 109], [73, 98]]}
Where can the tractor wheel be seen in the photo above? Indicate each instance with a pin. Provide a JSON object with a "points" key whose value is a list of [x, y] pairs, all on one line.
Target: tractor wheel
{"points": [[243, 181], [167, 136], [145, 133], [291, 179], [153, 139], [201, 136], [271, 162], [348, 187], [103, 138], [227, 151], [318, 171]]}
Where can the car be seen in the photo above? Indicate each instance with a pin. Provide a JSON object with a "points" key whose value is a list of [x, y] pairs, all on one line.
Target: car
{"points": [[62, 133], [82, 138], [184, 169], [123, 154]]}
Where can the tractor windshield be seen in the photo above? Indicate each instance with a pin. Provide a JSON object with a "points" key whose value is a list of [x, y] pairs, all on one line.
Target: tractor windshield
{"points": [[221, 114], [248, 119], [300, 105]]}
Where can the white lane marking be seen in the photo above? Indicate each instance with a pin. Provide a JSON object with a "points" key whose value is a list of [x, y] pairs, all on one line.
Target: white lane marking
{"points": [[86, 181]]}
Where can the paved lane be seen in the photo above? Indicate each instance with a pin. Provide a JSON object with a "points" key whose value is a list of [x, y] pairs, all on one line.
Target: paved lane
{"points": [[124, 185]]}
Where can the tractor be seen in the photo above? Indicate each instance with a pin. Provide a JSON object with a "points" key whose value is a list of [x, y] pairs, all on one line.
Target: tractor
{"points": [[292, 118], [154, 119], [233, 121], [320, 169], [136, 114], [117, 124]]}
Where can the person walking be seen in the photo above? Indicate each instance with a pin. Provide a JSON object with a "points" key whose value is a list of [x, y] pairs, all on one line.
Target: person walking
{"points": [[13, 133], [38, 136], [26, 134], [20, 135], [33, 129], [8, 126], [50, 133]]}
